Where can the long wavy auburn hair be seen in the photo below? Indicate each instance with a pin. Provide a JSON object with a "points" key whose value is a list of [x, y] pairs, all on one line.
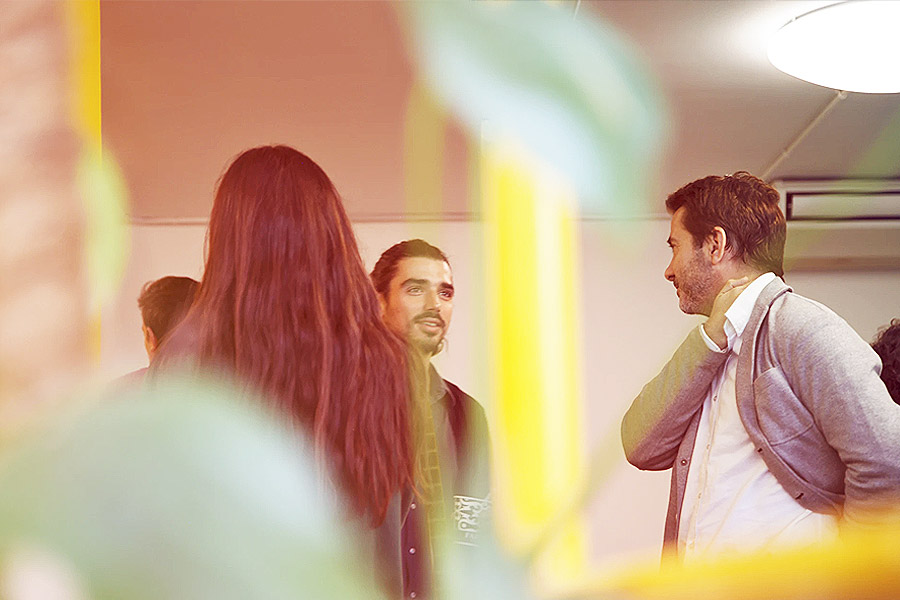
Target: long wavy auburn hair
{"points": [[286, 305]]}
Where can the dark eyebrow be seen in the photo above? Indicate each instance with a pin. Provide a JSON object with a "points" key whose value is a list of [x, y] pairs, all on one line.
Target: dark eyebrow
{"points": [[425, 283], [414, 281]]}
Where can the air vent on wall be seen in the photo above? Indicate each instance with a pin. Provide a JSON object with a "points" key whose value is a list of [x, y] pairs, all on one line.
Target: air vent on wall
{"points": [[841, 224]]}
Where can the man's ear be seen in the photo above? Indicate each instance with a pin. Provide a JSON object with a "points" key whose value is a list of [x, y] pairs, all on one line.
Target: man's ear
{"points": [[150, 341], [717, 242], [383, 303]]}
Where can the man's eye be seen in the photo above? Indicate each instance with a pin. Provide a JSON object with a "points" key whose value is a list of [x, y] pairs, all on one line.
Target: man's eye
{"points": [[447, 294], [414, 290]]}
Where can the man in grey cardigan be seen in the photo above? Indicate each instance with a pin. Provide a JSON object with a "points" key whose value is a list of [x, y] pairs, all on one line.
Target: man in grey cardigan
{"points": [[771, 414]]}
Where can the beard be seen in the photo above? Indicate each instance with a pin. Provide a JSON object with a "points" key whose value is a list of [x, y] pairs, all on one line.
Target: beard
{"points": [[427, 342], [429, 346], [697, 287]]}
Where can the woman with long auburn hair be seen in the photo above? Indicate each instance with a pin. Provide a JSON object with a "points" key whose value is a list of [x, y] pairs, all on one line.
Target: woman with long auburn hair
{"points": [[286, 307]]}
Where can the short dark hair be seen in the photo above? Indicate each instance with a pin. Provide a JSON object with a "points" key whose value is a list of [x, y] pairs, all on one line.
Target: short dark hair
{"points": [[887, 345], [386, 267], [165, 302], [746, 207]]}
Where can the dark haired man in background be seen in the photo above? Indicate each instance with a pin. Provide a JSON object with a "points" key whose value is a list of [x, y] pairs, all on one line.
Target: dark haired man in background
{"points": [[415, 285], [163, 304], [771, 413]]}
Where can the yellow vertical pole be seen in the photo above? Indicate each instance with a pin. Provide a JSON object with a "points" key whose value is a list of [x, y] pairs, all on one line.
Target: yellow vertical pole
{"points": [[84, 52], [83, 18], [533, 312]]}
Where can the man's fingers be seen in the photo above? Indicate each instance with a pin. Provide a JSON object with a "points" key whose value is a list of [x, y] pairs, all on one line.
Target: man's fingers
{"points": [[732, 284]]}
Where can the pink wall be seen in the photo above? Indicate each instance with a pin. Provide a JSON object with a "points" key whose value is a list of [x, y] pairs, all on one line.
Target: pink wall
{"points": [[187, 85]]}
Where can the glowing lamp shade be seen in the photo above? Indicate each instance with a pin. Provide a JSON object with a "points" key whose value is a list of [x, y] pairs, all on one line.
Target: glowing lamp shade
{"points": [[850, 46]]}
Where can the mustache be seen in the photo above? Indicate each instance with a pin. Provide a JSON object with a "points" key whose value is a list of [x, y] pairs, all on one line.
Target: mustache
{"points": [[429, 314]]}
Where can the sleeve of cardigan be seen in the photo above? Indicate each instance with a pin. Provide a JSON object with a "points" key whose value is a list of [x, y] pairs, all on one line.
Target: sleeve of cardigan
{"points": [[658, 418]]}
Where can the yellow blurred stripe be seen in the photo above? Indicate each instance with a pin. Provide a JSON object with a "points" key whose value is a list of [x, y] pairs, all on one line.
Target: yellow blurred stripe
{"points": [[863, 565], [532, 306], [83, 20]]}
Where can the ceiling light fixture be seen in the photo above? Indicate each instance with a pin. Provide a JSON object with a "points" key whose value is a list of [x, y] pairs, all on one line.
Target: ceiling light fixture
{"points": [[852, 46]]}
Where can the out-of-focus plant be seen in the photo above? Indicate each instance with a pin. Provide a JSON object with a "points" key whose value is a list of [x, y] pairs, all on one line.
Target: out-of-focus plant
{"points": [[106, 241], [571, 90], [182, 491]]}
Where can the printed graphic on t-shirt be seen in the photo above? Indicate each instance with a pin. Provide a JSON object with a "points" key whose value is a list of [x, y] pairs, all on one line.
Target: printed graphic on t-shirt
{"points": [[468, 512]]}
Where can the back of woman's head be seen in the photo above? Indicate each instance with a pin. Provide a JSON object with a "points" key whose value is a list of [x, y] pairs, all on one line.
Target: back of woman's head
{"points": [[286, 305]]}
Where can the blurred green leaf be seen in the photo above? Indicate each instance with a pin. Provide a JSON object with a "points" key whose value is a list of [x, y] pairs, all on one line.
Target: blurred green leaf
{"points": [[179, 492], [571, 90], [105, 198]]}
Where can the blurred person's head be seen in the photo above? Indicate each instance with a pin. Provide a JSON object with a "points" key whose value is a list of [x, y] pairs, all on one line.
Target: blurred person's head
{"points": [[163, 304], [722, 228], [415, 285], [285, 305], [887, 345]]}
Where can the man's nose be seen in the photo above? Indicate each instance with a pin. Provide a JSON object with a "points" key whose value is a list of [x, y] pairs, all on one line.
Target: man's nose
{"points": [[432, 301], [670, 274]]}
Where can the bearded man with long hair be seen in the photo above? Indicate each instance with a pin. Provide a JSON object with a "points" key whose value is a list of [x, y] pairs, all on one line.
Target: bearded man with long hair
{"points": [[286, 308]]}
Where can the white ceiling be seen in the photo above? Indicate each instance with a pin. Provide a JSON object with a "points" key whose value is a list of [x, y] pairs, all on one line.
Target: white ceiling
{"points": [[187, 85], [732, 110]]}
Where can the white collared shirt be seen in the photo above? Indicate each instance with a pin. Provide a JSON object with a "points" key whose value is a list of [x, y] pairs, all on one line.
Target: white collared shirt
{"points": [[732, 502]]}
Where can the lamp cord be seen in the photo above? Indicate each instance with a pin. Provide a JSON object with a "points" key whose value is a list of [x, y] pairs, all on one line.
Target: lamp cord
{"points": [[838, 96]]}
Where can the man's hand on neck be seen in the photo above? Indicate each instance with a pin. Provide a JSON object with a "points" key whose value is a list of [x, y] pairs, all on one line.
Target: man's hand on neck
{"points": [[715, 324]]}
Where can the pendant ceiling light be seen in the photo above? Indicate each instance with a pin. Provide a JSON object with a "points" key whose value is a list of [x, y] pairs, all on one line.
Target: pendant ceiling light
{"points": [[851, 46]]}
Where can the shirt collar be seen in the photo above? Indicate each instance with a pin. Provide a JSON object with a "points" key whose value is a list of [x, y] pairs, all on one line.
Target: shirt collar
{"points": [[436, 386], [738, 314]]}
